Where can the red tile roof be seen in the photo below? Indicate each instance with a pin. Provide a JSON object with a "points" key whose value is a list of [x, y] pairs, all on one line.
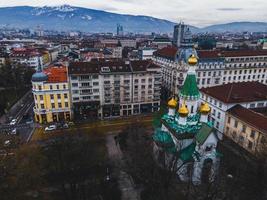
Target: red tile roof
{"points": [[238, 92], [56, 73], [209, 54], [167, 52], [250, 117], [231, 53]]}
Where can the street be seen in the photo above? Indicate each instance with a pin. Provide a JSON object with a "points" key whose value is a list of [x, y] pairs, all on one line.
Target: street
{"points": [[23, 113]]}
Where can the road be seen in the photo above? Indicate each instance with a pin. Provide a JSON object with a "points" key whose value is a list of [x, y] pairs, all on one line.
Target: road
{"points": [[99, 127], [25, 108]]}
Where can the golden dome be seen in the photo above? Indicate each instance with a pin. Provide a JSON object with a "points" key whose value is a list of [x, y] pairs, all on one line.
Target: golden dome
{"points": [[172, 103], [205, 108], [183, 111], [192, 60]]}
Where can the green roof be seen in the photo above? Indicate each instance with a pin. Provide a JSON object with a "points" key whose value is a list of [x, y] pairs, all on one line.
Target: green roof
{"points": [[162, 136], [203, 133], [190, 88], [187, 153]]}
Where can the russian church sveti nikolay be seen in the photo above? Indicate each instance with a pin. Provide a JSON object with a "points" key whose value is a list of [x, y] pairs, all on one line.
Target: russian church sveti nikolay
{"points": [[186, 136]]}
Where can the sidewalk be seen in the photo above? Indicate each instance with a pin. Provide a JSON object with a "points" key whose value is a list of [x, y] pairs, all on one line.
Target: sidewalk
{"points": [[125, 181]]}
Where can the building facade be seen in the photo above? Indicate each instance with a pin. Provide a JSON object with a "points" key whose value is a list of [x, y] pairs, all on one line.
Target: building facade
{"points": [[246, 128], [50, 90], [215, 67], [222, 98], [106, 89], [178, 33]]}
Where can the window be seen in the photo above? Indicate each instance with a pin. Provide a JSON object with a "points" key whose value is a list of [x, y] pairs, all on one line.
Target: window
{"points": [[74, 84], [229, 120], [217, 124], [57, 87], [51, 87], [241, 139], [66, 104], [244, 127], [51, 96], [250, 144], [58, 96], [252, 134], [59, 105], [53, 105], [252, 105], [227, 130], [234, 135], [208, 148], [73, 77], [64, 86], [39, 87], [41, 97], [65, 96], [236, 123]]}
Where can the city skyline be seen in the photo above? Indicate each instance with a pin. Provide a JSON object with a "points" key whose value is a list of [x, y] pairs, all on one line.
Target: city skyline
{"points": [[193, 12]]}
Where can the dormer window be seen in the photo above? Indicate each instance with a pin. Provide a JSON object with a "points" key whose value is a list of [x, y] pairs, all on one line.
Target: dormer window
{"points": [[105, 69], [208, 148]]}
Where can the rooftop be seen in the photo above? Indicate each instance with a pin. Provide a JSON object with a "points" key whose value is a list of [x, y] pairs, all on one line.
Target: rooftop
{"points": [[250, 117], [230, 53], [113, 66], [56, 73], [238, 92], [167, 52]]}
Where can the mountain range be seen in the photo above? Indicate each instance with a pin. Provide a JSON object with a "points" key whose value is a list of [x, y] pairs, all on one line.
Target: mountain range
{"points": [[70, 18]]}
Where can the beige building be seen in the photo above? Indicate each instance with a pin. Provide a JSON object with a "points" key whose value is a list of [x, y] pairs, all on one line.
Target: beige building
{"points": [[247, 128]]}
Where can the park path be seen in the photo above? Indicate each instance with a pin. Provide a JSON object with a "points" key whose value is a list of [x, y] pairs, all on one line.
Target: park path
{"points": [[125, 181]]}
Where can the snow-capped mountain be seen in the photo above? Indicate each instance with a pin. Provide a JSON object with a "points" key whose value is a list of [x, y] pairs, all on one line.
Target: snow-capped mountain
{"points": [[67, 17]]}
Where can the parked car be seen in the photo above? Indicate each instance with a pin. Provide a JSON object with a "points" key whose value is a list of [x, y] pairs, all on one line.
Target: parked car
{"points": [[29, 121], [13, 122], [7, 142], [51, 128], [14, 131], [71, 124], [65, 126]]}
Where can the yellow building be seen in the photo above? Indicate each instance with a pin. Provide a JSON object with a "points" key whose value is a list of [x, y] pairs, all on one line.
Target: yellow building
{"points": [[247, 128], [51, 95]]}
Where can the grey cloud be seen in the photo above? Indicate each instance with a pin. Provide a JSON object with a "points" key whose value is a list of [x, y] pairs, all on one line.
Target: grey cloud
{"points": [[229, 9]]}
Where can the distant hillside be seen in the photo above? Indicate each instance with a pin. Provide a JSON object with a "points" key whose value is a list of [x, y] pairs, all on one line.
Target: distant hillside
{"points": [[237, 27], [69, 18]]}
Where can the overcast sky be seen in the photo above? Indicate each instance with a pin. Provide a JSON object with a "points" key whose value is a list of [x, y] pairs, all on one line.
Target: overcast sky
{"points": [[195, 12]]}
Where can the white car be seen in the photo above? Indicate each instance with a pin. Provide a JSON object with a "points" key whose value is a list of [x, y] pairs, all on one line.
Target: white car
{"points": [[14, 131], [13, 122], [51, 128], [7, 142]]}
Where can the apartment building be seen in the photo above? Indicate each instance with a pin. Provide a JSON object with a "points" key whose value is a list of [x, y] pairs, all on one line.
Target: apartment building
{"points": [[222, 98], [246, 128], [215, 67], [115, 88], [51, 95]]}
